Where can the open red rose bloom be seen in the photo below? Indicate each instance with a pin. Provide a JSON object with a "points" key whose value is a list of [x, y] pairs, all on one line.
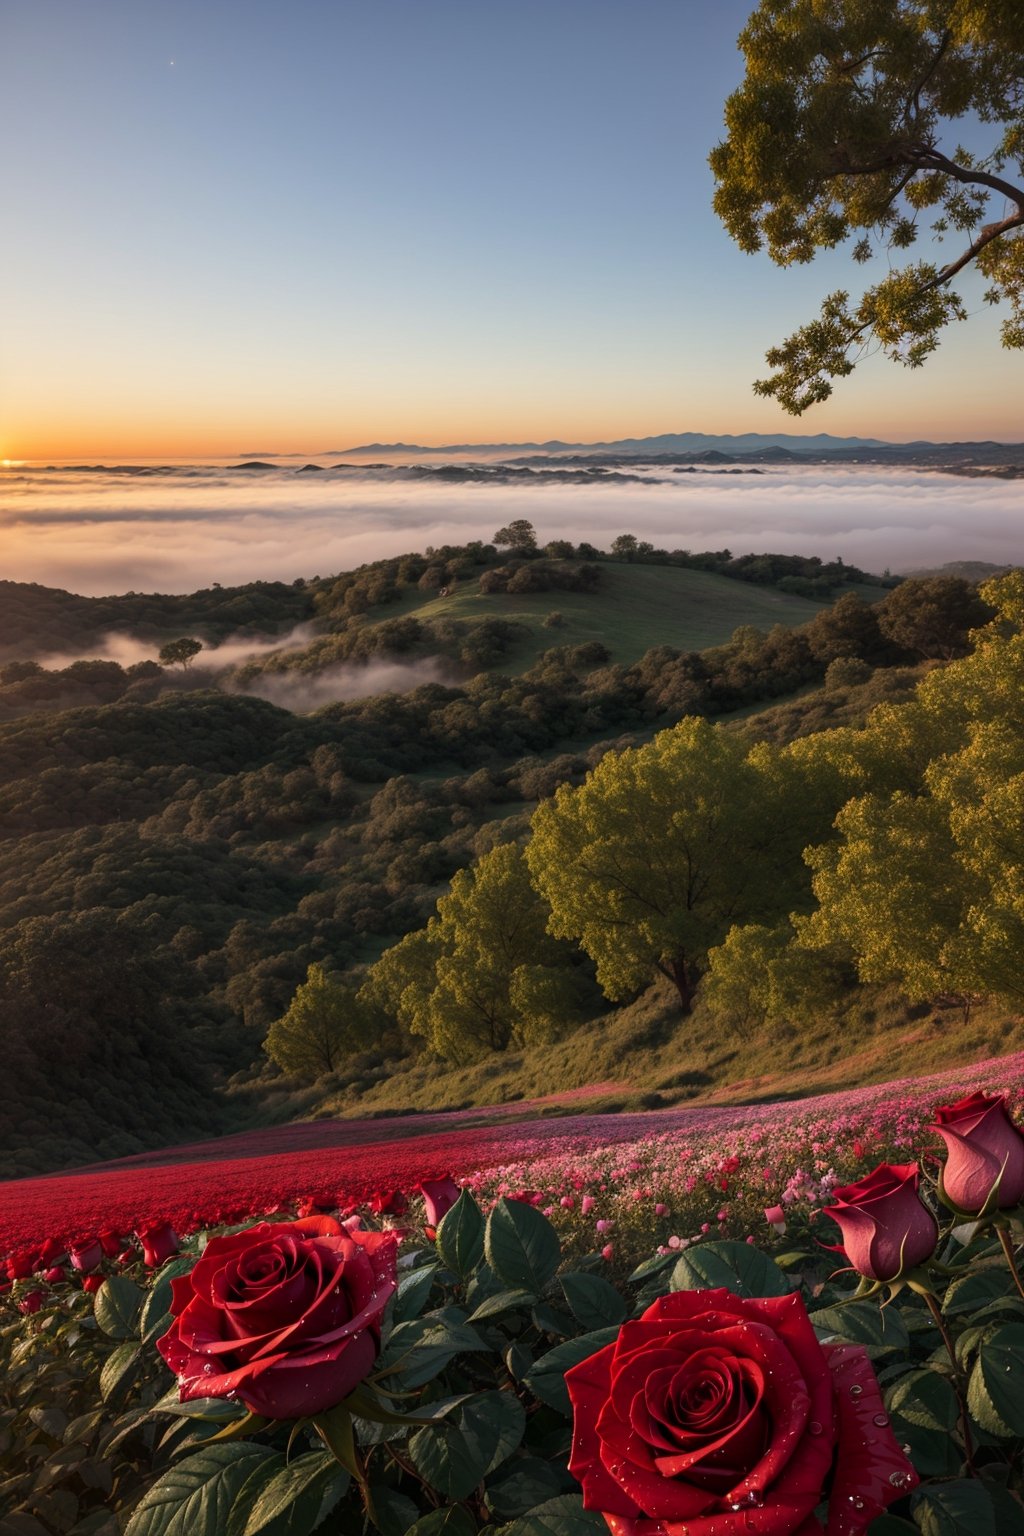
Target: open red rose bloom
{"points": [[711, 1413], [284, 1316]]}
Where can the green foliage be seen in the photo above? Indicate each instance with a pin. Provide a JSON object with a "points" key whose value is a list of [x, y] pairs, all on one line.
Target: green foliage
{"points": [[763, 977], [180, 653], [321, 1027], [518, 535], [834, 136], [650, 862]]}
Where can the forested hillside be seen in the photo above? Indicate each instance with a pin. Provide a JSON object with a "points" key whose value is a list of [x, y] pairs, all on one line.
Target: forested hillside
{"points": [[175, 857]]}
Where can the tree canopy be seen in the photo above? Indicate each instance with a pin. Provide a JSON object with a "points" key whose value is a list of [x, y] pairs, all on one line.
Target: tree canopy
{"points": [[844, 129], [319, 1029]]}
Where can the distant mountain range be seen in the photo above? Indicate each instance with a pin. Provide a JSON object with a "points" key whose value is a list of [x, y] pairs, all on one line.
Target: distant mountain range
{"points": [[666, 442]]}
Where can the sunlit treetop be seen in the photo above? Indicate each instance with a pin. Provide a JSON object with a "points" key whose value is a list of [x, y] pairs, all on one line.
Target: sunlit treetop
{"points": [[845, 129]]}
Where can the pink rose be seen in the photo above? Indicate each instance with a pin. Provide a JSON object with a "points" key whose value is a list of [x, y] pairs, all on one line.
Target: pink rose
{"points": [[439, 1195], [31, 1302], [775, 1216], [984, 1148], [87, 1254], [886, 1230]]}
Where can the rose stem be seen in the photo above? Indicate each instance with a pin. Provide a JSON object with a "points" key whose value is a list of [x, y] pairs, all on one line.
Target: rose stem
{"points": [[940, 1324], [1007, 1246]]}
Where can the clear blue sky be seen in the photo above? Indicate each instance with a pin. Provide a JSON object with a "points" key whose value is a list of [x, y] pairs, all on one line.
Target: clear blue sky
{"points": [[301, 224]]}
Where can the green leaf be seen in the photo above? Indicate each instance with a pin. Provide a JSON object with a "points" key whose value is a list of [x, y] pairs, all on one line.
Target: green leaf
{"points": [[117, 1307], [419, 1349], [292, 1502], [391, 1512], [156, 1314], [454, 1521], [455, 1456], [546, 1379], [652, 1266], [528, 1481], [995, 1393], [976, 1290], [739, 1267], [594, 1303], [924, 1413], [563, 1516], [962, 1508], [194, 1497], [460, 1235], [413, 1292], [199, 1407], [522, 1246], [119, 1367], [878, 1329], [504, 1301], [335, 1430]]}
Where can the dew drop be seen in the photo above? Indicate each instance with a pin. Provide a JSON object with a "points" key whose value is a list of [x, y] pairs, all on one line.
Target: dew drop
{"points": [[900, 1479], [881, 1419], [856, 1502], [814, 1429], [855, 1391]]}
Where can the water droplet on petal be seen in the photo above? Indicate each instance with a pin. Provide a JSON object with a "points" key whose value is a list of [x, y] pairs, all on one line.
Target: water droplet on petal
{"points": [[855, 1391], [900, 1479], [814, 1429], [881, 1419]]}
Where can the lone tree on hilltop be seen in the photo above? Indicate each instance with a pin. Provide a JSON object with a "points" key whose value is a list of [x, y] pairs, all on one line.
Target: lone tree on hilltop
{"points": [[517, 535], [180, 653], [835, 134]]}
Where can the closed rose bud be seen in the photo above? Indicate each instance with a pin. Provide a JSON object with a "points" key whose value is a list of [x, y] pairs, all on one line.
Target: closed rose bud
{"points": [[111, 1242], [53, 1251], [439, 1195], [775, 1216], [985, 1150], [587, 1204], [54, 1276], [886, 1230], [127, 1256], [660, 1210], [30, 1302], [86, 1255], [159, 1243], [607, 1251], [92, 1283]]}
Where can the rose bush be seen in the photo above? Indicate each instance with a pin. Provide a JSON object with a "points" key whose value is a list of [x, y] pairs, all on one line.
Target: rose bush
{"points": [[285, 1317], [716, 1414]]}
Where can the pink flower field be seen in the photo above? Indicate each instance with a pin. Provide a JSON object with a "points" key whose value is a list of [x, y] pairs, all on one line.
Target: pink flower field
{"points": [[614, 1181]]}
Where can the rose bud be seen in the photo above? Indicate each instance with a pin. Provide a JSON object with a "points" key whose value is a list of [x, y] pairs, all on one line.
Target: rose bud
{"points": [[21, 1264], [92, 1283], [389, 1202], [111, 1242], [52, 1252], [439, 1195], [87, 1254], [159, 1243], [985, 1150], [775, 1216], [127, 1256], [54, 1276], [31, 1302], [886, 1230]]}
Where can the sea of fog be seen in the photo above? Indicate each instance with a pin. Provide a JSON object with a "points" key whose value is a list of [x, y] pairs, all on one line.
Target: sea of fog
{"points": [[98, 529]]}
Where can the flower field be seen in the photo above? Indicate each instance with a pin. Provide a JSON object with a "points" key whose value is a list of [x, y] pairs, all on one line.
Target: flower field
{"points": [[610, 1182]]}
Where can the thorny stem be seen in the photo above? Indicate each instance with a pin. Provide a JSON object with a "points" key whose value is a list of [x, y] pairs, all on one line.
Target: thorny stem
{"points": [[1007, 1246], [965, 1428]]}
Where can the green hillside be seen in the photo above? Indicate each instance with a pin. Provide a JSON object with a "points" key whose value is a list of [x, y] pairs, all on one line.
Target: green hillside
{"points": [[636, 607]]}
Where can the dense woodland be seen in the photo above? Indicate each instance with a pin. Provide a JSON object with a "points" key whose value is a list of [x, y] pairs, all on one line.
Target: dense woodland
{"points": [[185, 868]]}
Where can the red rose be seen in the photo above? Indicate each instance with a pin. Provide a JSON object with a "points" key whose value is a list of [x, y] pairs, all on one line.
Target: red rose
{"points": [[31, 1302], [285, 1316], [159, 1243], [886, 1230], [22, 1264], [86, 1255], [984, 1146], [92, 1283], [111, 1242], [717, 1416], [390, 1202], [439, 1195]]}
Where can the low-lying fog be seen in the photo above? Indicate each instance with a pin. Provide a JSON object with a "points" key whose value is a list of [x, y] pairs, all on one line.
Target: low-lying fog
{"points": [[100, 531]]}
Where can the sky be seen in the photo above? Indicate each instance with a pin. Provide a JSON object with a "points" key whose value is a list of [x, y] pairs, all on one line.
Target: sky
{"points": [[251, 226]]}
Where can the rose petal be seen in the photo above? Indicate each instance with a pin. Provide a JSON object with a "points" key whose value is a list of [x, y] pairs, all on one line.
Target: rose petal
{"points": [[868, 1456]]}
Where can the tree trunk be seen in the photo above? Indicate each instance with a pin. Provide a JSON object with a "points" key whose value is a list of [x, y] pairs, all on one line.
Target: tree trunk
{"points": [[678, 972]]}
